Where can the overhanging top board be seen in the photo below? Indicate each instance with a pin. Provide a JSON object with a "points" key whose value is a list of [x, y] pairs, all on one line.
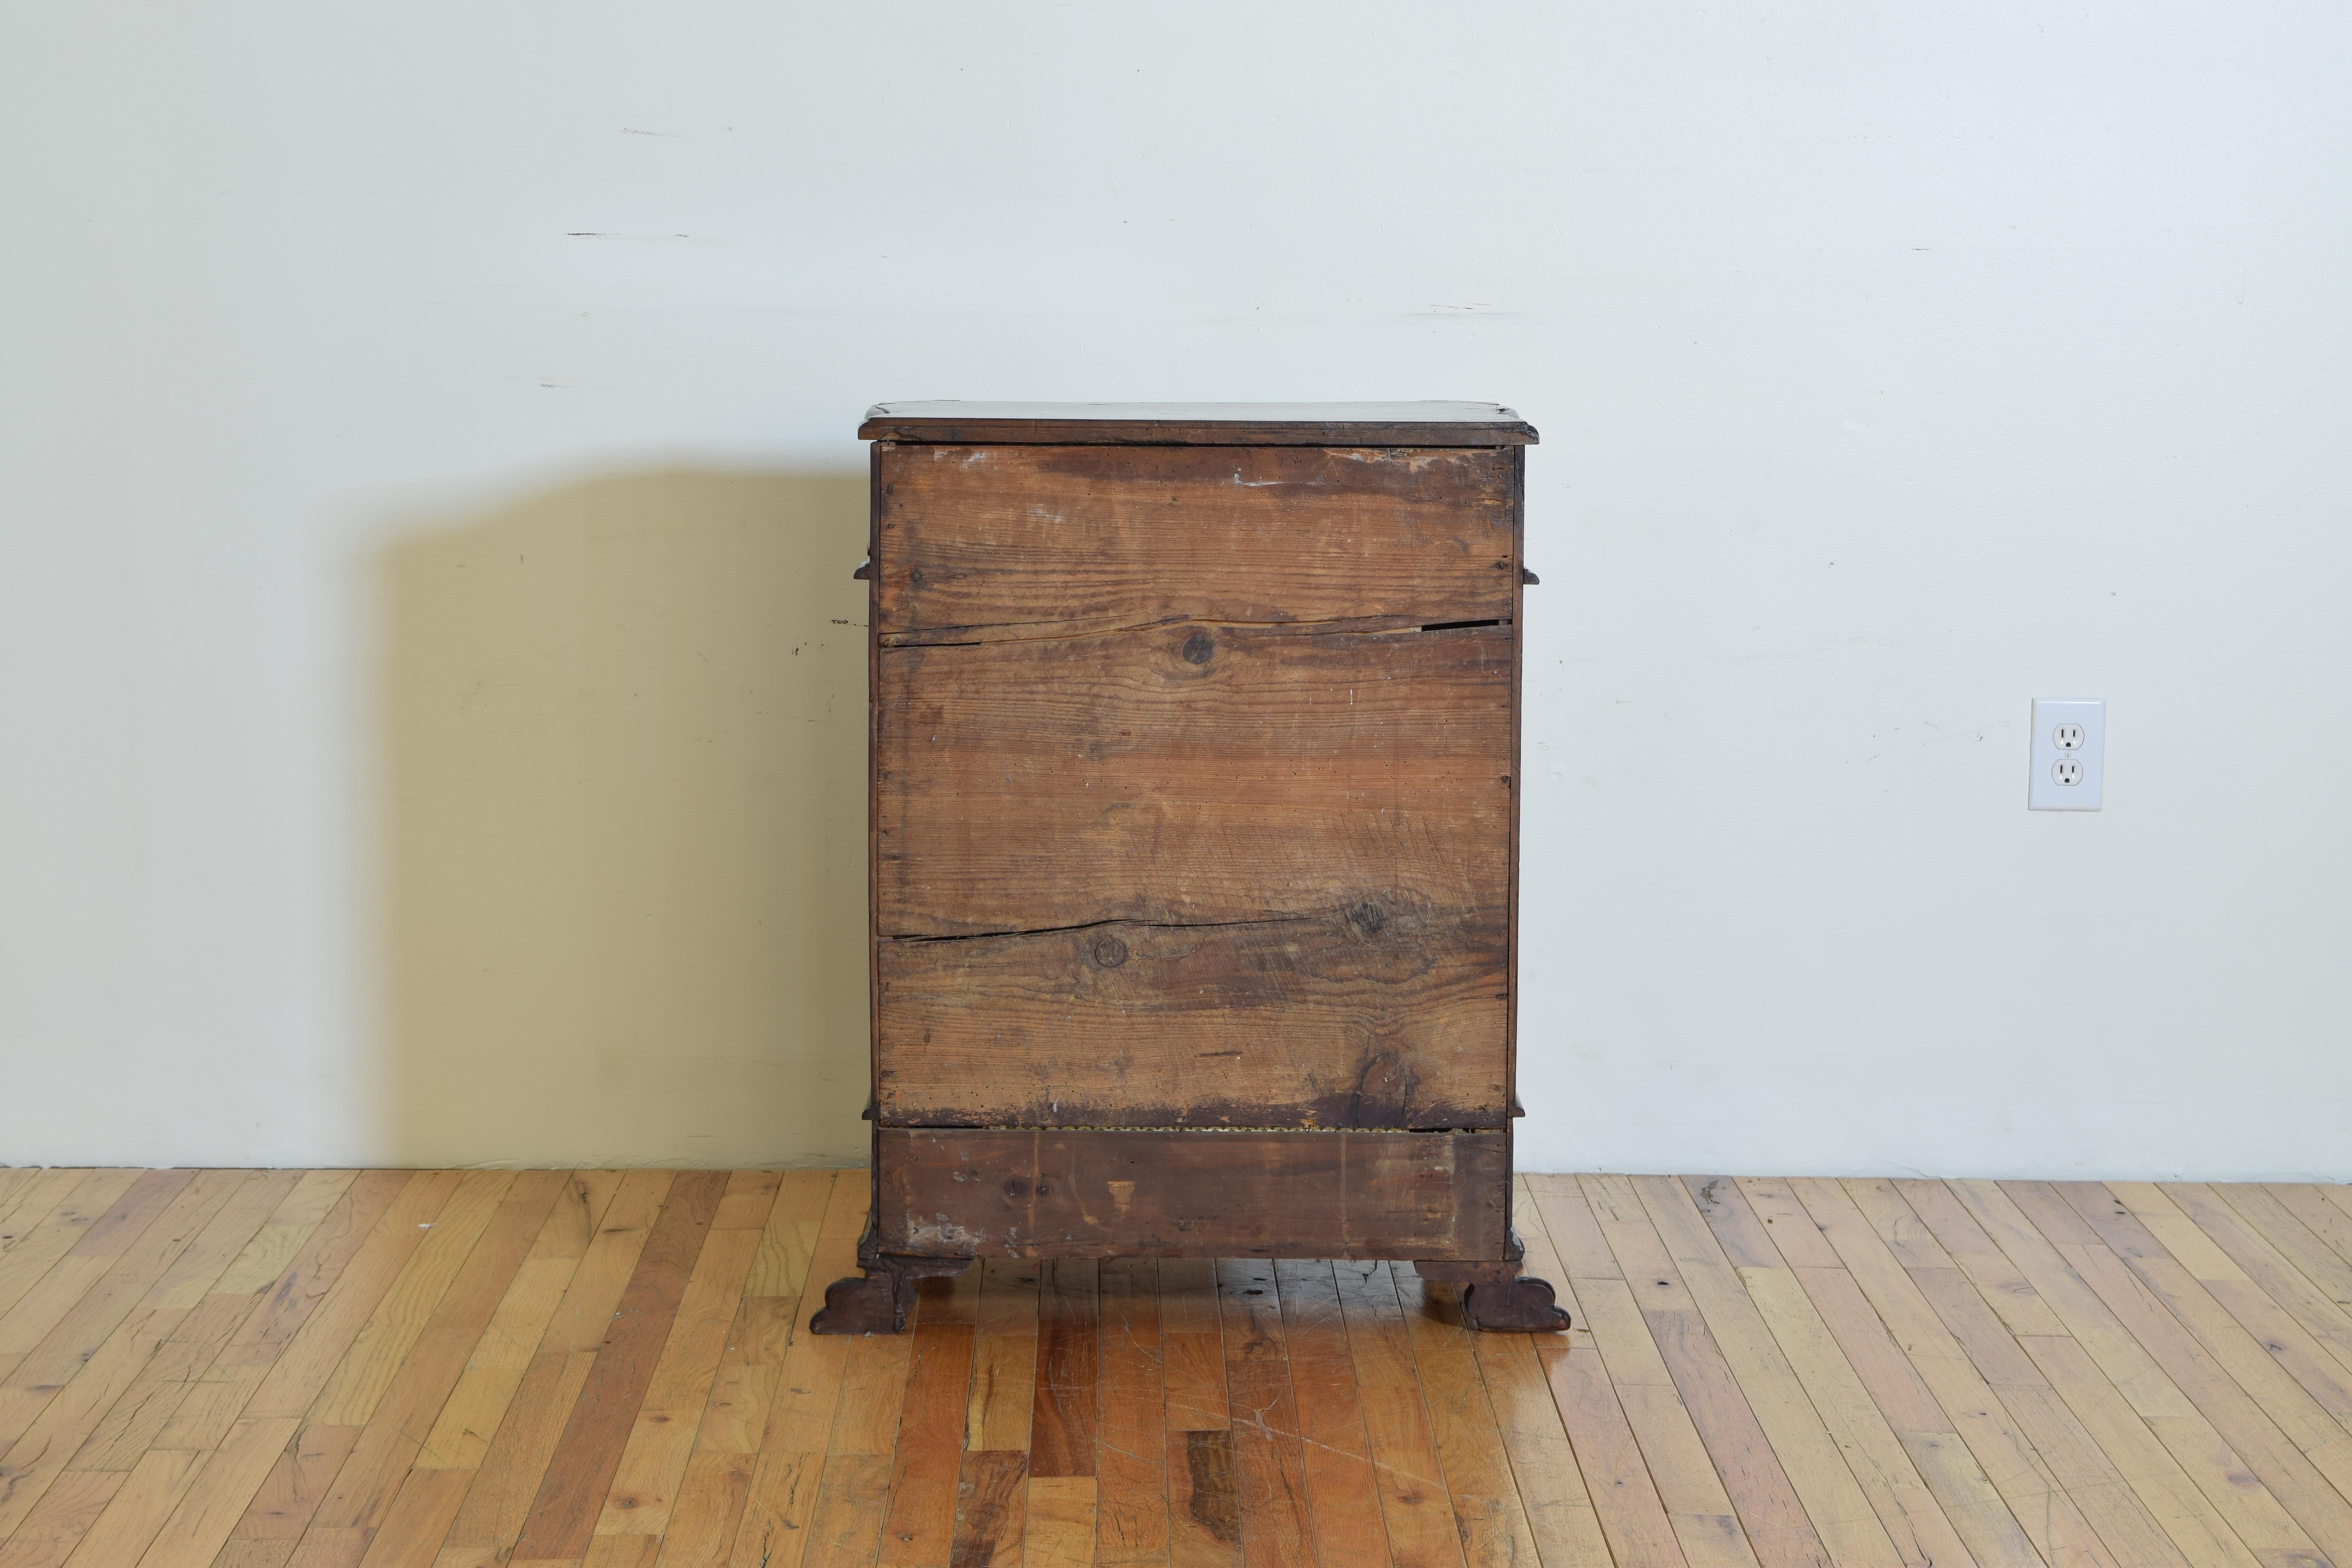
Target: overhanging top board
{"points": [[1200, 424]]}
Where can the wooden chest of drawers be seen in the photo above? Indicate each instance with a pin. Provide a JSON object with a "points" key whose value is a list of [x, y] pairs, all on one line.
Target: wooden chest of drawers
{"points": [[1193, 823]]}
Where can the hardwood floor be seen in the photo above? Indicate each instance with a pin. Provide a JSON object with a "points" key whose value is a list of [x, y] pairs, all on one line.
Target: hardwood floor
{"points": [[443, 1369]]}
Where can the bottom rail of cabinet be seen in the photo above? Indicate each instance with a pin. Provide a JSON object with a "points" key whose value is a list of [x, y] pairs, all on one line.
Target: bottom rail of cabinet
{"points": [[944, 1197]]}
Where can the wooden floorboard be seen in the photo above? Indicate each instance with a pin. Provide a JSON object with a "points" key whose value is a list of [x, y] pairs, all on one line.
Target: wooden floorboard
{"points": [[442, 1369]]}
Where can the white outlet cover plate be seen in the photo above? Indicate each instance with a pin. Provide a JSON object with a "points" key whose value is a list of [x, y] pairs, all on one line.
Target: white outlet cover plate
{"points": [[2043, 790]]}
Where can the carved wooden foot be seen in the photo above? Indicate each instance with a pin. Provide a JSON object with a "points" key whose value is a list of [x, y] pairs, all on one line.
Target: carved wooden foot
{"points": [[877, 1301], [1498, 1298]]}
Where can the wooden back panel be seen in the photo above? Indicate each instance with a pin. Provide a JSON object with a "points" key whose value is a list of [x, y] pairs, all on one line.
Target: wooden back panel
{"points": [[1044, 541], [1193, 773]]}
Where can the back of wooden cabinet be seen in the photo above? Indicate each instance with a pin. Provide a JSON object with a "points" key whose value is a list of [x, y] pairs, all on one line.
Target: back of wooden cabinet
{"points": [[1193, 773]]}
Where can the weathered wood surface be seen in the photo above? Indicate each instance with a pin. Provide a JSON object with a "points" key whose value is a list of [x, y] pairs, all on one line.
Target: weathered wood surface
{"points": [[1193, 773], [1018, 1193], [1184, 775], [978, 542], [1248, 424], [1370, 1015]]}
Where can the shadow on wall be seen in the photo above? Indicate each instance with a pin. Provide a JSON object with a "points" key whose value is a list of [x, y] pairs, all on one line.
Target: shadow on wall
{"points": [[625, 845]]}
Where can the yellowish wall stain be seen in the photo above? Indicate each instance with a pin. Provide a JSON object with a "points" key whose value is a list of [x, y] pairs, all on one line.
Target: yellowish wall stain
{"points": [[625, 826]]}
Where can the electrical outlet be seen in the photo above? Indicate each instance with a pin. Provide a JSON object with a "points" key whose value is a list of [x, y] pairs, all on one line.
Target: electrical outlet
{"points": [[2068, 769]]}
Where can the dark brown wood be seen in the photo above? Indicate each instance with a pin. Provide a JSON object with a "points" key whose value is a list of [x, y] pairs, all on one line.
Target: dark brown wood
{"points": [[1059, 1193], [1062, 1414], [1194, 817], [1519, 677], [1217, 424], [1496, 1296], [1190, 776], [1373, 1014], [1212, 1493], [988, 1519], [878, 1300], [982, 543], [893, 1299]]}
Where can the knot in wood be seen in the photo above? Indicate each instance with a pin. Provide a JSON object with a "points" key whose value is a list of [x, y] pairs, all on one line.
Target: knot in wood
{"points": [[1199, 648], [1368, 917], [1109, 952]]}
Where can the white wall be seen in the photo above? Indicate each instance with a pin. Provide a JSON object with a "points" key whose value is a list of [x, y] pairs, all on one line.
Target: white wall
{"points": [[1895, 364]]}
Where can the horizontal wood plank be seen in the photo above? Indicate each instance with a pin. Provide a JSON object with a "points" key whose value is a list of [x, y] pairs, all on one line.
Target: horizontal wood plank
{"points": [[1191, 777], [1038, 541], [1367, 1017], [1002, 1193]]}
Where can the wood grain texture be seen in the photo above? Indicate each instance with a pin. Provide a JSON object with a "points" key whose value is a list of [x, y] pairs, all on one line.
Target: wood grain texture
{"points": [[310, 1358], [2146, 1386], [1063, 1415], [929, 1448], [1194, 771], [2031, 1376], [288, 1303], [1551, 1488], [1058, 1194], [1203, 1507], [845, 1531], [1415, 1508], [669, 1421], [1343, 1499], [1044, 541], [1130, 1449], [774, 1528], [1368, 1015], [1247, 424], [1600, 1398], [56, 1525], [991, 1516], [1489, 1514], [1914, 1520], [530, 1416], [190, 1360], [1059, 1528], [1269, 1467], [1192, 775], [2198, 1529], [569, 1499], [1004, 1357], [38, 1243], [1997, 1441], [376, 1471], [80, 1300], [367, 1368]]}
